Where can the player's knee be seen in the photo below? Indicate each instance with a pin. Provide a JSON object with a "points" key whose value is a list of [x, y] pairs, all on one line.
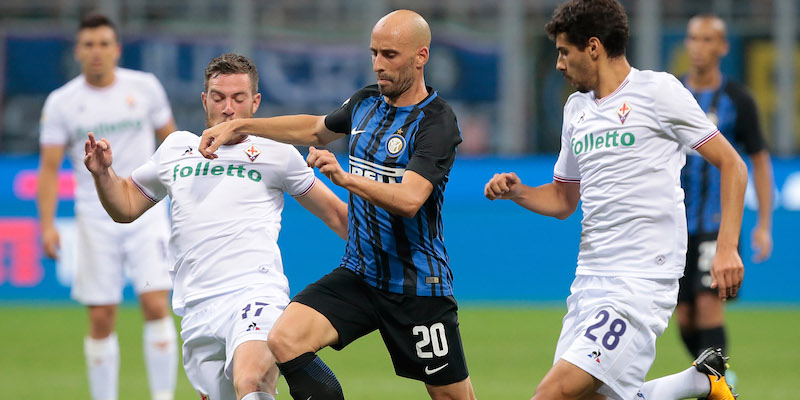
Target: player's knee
{"points": [[101, 321], [554, 390], [154, 305], [281, 343], [253, 381]]}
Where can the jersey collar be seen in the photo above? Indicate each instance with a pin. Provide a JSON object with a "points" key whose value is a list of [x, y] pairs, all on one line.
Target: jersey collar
{"points": [[600, 102]]}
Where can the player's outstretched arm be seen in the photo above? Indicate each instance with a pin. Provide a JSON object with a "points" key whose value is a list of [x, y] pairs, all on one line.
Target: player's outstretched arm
{"points": [[555, 199], [306, 130], [404, 198], [727, 269], [120, 197], [50, 159], [323, 203]]}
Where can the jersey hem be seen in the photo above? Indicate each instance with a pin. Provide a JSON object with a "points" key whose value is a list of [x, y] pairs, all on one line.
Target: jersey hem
{"points": [[565, 179], [705, 139], [642, 274], [308, 189], [142, 191]]}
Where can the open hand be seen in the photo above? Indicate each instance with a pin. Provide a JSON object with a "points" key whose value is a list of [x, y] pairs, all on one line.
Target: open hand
{"points": [[98, 156]]}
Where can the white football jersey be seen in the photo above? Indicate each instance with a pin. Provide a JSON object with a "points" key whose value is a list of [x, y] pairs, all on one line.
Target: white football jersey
{"points": [[127, 113], [626, 150], [226, 212]]}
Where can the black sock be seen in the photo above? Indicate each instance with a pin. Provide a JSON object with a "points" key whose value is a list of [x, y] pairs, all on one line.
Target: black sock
{"points": [[713, 337], [691, 338], [309, 378]]}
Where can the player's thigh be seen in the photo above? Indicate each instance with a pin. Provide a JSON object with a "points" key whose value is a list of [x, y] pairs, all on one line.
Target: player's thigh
{"points": [[567, 381], [301, 329], [204, 352], [146, 255], [342, 299], [423, 337], [254, 368], [98, 275], [611, 328], [249, 318]]}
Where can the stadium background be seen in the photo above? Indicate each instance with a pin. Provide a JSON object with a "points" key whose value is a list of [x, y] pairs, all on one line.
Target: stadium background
{"points": [[491, 61]]}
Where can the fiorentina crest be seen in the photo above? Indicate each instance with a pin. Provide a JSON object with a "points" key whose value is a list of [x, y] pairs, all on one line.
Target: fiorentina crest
{"points": [[252, 152], [623, 112]]}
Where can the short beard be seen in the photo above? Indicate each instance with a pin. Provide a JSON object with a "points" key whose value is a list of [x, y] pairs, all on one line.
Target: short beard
{"points": [[403, 83]]}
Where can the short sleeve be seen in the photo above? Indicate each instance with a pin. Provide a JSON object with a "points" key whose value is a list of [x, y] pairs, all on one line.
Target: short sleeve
{"points": [[680, 116], [52, 128], [146, 179], [160, 112], [566, 168], [747, 128], [299, 178], [340, 120], [435, 146]]}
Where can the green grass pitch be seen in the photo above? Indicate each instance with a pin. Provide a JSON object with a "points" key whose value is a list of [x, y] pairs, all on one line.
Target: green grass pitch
{"points": [[508, 350]]}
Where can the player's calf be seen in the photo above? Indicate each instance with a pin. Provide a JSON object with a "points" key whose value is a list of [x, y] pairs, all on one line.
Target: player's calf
{"points": [[309, 378]]}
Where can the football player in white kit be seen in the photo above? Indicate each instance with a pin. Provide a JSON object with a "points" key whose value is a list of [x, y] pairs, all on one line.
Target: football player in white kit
{"points": [[131, 110], [229, 285], [622, 149]]}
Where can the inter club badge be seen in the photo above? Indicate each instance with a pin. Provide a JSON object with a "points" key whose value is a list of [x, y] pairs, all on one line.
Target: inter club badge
{"points": [[623, 112], [252, 152]]}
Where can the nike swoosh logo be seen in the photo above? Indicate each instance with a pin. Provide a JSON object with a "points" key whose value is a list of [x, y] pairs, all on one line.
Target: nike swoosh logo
{"points": [[353, 132], [435, 370]]}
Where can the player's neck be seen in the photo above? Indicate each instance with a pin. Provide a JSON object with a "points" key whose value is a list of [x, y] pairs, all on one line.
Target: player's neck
{"points": [[100, 80], [611, 75], [415, 94], [704, 79]]}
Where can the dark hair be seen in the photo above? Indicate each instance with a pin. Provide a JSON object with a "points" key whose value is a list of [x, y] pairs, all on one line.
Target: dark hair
{"points": [[96, 20], [584, 19], [230, 64]]}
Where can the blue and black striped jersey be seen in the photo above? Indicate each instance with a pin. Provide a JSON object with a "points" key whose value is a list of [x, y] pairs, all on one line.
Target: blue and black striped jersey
{"points": [[734, 112], [391, 252]]}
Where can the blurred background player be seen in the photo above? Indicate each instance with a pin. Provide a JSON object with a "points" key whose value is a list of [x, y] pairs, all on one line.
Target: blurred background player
{"points": [[130, 108], [226, 215], [622, 142], [700, 312], [395, 275]]}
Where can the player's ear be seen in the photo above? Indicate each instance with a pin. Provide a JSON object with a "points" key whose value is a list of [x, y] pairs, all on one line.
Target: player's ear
{"points": [[256, 102], [594, 47], [422, 56], [203, 99], [724, 48]]}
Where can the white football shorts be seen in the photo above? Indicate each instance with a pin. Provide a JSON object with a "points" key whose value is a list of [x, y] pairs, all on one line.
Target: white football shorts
{"points": [[212, 329], [107, 252], [611, 328]]}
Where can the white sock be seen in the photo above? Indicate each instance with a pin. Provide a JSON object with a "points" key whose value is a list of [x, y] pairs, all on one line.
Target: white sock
{"points": [[102, 364], [161, 357], [689, 383], [258, 396]]}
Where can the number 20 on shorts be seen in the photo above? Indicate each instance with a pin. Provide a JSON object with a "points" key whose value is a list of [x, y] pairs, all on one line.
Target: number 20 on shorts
{"points": [[433, 336], [614, 331]]}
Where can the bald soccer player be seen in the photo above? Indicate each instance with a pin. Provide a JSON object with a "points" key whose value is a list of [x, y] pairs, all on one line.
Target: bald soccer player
{"points": [[700, 312], [395, 274]]}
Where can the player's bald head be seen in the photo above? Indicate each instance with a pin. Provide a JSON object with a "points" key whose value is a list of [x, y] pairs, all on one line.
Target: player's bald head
{"points": [[405, 27], [709, 21]]}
